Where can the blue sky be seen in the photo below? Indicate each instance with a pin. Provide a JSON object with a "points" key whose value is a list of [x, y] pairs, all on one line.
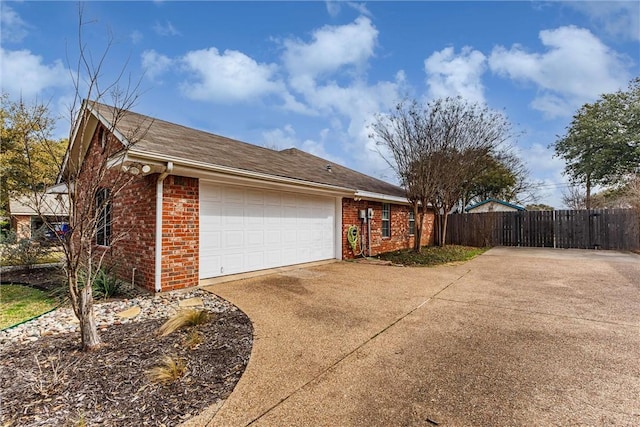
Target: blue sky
{"points": [[313, 74]]}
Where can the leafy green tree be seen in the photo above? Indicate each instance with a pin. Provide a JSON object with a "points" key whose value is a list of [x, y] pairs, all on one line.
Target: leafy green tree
{"points": [[501, 176], [30, 158], [539, 207], [602, 144]]}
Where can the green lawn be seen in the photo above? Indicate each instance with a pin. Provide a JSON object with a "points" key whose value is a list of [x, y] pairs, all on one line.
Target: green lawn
{"points": [[433, 255], [19, 303], [46, 258]]}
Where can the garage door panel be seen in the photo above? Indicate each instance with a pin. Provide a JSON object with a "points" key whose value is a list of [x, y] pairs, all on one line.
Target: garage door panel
{"points": [[233, 239], [212, 240], [232, 263], [273, 238], [255, 238], [273, 258], [244, 229]]}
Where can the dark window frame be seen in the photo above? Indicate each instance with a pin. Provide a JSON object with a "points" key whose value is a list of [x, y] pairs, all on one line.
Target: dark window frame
{"points": [[412, 223], [386, 222], [103, 217]]}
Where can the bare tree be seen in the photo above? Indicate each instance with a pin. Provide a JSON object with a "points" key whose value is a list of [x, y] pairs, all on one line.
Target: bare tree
{"points": [[403, 133], [574, 198], [633, 192], [92, 177], [440, 150]]}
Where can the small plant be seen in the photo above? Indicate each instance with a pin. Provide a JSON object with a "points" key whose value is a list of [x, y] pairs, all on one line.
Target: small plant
{"points": [[193, 339], [105, 285], [183, 319], [170, 370], [49, 377]]}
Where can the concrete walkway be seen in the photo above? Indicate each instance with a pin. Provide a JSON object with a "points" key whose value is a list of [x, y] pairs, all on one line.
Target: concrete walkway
{"points": [[514, 337]]}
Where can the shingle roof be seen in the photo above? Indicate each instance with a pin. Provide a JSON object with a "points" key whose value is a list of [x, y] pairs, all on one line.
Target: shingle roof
{"points": [[41, 203], [173, 141]]}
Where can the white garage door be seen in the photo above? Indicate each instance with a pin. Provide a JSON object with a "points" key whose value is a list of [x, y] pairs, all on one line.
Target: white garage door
{"points": [[245, 229]]}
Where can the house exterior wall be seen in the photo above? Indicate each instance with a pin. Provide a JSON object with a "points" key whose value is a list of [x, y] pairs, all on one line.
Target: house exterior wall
{"points": [[22, 226], [132, 252], [180, 233], [399, 221], [133, 217], [492, 207]]}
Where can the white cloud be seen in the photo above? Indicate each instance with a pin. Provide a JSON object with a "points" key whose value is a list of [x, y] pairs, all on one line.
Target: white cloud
{"points": [[166, 29], [14, 29], [285, 137], [136, 37], [331, 48], [451, 74], [361, 8], [576, 68], [616, 18], [280, 138], [228, 77], [154, 64], [25, 74], [333, 7]]}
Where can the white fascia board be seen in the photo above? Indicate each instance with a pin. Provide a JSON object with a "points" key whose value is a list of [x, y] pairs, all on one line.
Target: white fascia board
{"points": [[368, 195], [109, 126], [224, 174]]}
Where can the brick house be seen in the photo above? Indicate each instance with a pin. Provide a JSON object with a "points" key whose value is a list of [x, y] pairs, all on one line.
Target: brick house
{"points": [[202, 206], [493, 205], [26, 218]]}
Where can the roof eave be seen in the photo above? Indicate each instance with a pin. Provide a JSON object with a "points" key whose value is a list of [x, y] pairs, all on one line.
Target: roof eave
{"points": [[206, 170]]}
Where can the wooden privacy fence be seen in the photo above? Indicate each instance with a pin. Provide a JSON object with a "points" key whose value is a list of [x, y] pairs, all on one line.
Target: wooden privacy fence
{"points": [[582, 229]]}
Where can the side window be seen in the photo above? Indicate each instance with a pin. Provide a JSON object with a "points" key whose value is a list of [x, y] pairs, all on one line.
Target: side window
{"points": [[103, 218], [102, 137], [386, 220], [412, 223]]}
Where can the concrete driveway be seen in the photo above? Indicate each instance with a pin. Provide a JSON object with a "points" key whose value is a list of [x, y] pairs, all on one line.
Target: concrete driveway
{"points": [[513, 337]]}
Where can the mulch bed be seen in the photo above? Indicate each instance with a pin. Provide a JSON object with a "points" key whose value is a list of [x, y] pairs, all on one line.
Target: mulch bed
{"points": [[51, 382]]}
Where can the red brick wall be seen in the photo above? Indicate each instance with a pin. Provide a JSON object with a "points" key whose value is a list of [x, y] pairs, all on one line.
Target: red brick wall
{"points": [[180, 233], [21, 224], [400, 237], [132, 215], [134, 218]]}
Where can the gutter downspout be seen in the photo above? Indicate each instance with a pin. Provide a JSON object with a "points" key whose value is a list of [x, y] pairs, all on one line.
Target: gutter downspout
{"points": [[159, 190]]}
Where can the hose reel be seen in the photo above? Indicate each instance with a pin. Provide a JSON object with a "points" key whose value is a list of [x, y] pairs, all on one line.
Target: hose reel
{"points": [[353, 235]]}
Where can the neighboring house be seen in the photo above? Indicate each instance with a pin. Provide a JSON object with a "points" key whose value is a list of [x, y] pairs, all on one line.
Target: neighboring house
{"points": [[27, 212], [493, 205], [204, 206]]}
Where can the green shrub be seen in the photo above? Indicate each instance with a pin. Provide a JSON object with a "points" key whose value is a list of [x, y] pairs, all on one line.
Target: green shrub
{"points": [[105, 285], [27, 252]]}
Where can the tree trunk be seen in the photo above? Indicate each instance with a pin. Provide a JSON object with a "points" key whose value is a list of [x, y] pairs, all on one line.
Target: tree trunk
{"points": [[88, 330], [443, 234], [587, 198], [418, 222]]}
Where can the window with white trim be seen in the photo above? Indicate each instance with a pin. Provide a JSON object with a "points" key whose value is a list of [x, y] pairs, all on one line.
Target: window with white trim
{"points": [[386, 220], [412, 223], [103, 217]]}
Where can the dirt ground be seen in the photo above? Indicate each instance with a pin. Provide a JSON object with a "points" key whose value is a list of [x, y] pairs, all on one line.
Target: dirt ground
{"points": [[50, 382]]}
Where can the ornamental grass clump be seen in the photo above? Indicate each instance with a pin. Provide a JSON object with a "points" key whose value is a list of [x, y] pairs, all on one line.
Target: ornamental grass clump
{"points": [[171, 369], [183, 319]]}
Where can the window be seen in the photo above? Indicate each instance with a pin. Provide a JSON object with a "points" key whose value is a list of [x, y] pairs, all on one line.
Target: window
{"points": [[386, 220], [103, 217], [102, 137], [412, 223]]}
